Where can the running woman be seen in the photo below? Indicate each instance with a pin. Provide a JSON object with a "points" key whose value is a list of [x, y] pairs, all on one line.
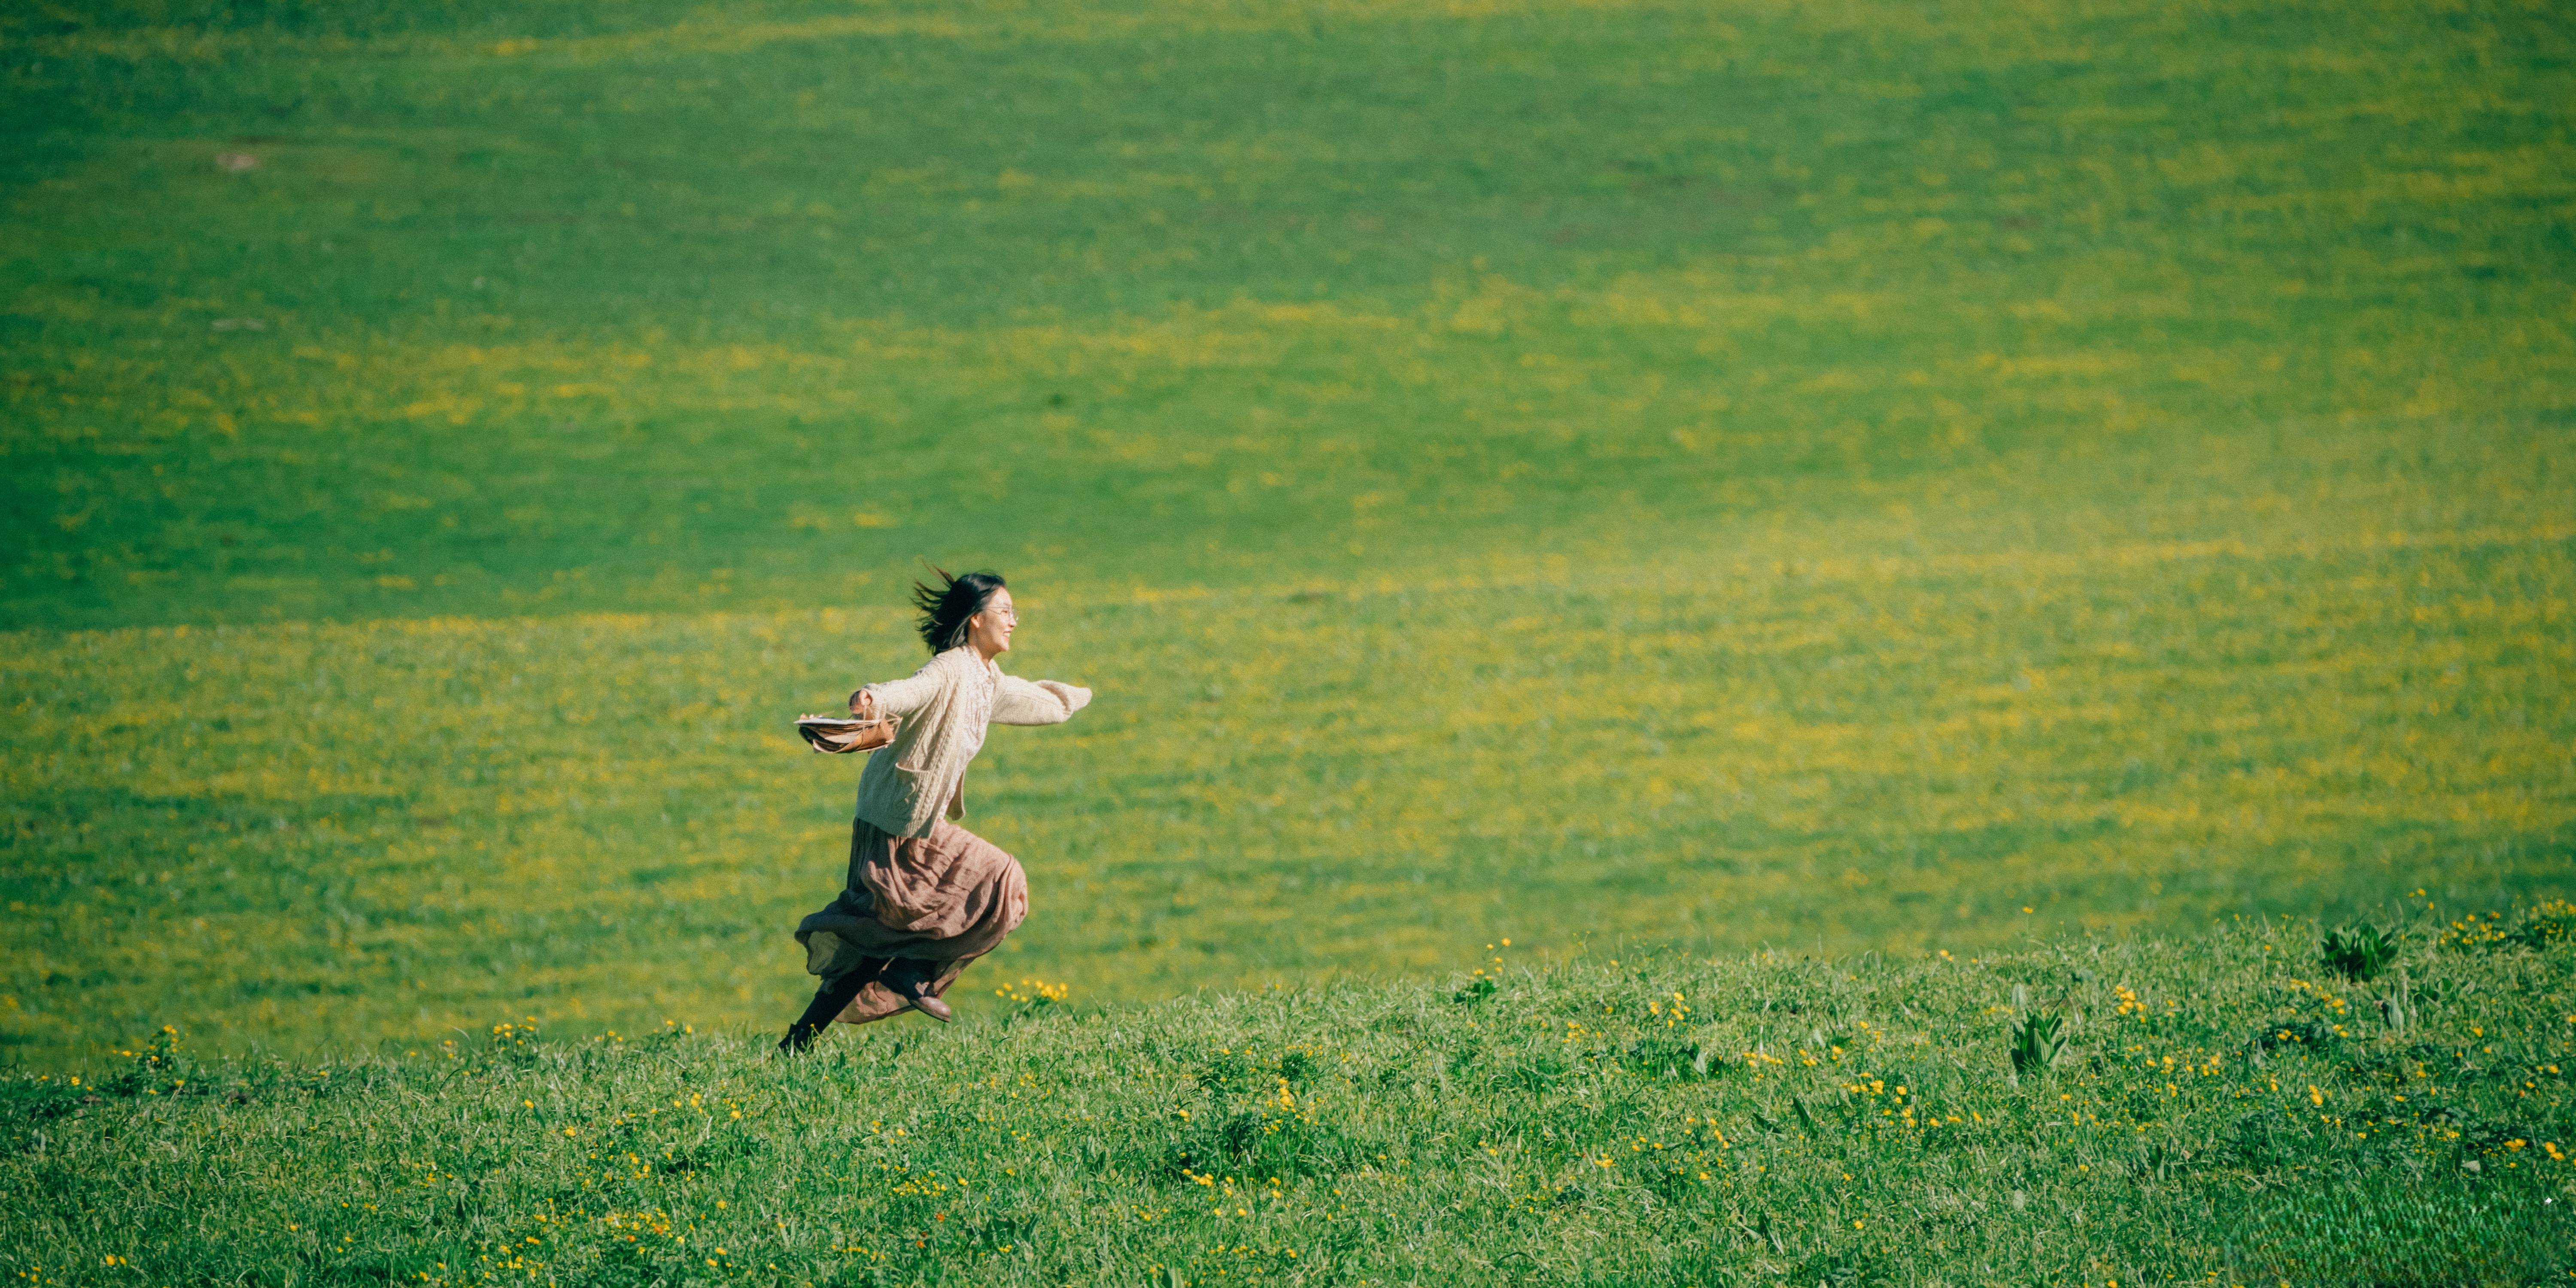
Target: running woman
{"points": [[925, 896]]}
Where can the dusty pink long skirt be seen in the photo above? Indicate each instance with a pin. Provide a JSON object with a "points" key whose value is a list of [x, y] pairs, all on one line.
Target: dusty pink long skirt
{"points": [[949, 897]]}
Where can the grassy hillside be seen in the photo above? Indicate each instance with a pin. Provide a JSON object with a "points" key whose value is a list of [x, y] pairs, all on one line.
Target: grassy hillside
{"points": [[655, 306], [1826, 477], [2230, 1109], [327, 834]]}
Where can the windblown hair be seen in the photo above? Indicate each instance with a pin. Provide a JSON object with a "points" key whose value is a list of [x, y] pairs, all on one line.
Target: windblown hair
{"points": [[945, 608]]}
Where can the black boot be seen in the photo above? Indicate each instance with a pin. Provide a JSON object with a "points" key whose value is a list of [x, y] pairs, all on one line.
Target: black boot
{"points": [[829, 1000]]}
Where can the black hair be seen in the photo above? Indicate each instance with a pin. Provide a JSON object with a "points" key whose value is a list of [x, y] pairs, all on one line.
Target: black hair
{"points": [[945, 608]]}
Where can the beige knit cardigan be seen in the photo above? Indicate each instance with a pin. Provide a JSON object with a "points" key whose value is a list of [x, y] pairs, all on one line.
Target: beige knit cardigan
{"points": [[945, 708]]}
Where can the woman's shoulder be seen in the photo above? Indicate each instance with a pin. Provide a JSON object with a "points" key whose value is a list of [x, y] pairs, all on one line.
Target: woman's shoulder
{"points": [[961, 660], [940, 666]]}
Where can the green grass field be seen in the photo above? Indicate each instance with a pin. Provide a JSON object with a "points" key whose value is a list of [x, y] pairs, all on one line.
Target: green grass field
{"points": [[2231, 1110], [1830, 478]]}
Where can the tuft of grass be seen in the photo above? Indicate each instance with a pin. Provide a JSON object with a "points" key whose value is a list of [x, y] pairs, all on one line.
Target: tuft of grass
{"points": [[1648, 1119], [2543, 924], [2360, 951]]}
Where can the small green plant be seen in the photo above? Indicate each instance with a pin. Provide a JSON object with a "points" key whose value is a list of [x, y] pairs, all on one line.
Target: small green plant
{"points": [[1806, 1121], [2397, 1006], [2361, 950], [1666, 1058], [2036, 1044], [159, 1068]]}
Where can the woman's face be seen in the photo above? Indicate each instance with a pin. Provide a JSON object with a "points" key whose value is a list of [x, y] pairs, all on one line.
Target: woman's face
{"points": [[990, 631]]}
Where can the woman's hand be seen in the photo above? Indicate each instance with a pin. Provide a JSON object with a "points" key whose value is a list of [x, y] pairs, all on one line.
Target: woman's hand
{"points": [[863, 704]]}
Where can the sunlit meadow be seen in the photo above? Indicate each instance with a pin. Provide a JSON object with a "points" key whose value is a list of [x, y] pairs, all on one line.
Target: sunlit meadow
{"points": [[326, 834], [2229, 1108], [1785, 484]]}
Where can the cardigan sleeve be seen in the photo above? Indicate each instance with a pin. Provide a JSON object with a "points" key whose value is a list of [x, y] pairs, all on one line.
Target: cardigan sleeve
{"points": [[1037, 702], [903, 697]]}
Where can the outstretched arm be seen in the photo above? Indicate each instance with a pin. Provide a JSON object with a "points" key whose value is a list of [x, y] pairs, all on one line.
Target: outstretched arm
{"points": [[903, 697], [1037, 702]]}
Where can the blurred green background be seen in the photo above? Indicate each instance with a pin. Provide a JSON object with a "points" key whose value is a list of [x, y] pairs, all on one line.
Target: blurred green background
{"points": [[1859, 475]]}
